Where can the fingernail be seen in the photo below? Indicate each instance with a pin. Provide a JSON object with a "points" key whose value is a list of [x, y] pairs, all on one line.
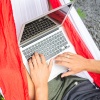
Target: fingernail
{"points": [[36, 53], [62, 76]]}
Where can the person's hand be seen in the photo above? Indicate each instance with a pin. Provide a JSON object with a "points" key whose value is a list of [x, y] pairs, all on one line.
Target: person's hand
{"points": [[74, 62], [39, 70]]}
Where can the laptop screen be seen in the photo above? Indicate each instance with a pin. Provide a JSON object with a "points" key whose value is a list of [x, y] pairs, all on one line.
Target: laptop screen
{"points": [[60, 14], [46, 22]]}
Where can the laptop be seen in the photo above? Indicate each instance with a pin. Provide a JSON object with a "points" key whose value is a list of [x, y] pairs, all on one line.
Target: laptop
{"points": [[46, 35]]}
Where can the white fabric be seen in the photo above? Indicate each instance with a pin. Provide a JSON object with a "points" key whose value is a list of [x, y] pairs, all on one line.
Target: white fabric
{"points": [[1, 92], [26, 10]]}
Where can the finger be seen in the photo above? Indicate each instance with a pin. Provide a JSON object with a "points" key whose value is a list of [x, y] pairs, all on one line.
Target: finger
{"points": [[50, 64], [69, 53], [34, 62], [43, 60], [61, 58], [67, 74], [63, 63], [38, 59], [30, 65]]}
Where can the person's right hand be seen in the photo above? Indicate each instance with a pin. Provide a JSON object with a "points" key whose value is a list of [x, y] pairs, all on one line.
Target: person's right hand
{"points": [[74, 62], [39, 70]]}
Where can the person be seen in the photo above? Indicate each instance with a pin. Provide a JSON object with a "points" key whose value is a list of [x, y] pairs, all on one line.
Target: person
{"points": [[40, 70]]}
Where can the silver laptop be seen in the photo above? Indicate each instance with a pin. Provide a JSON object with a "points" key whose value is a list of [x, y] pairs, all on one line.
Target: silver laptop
{"points": [[45, 34]]}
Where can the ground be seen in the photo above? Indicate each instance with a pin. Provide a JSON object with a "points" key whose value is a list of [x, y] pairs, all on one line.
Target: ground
{"points": [[89, 10]]}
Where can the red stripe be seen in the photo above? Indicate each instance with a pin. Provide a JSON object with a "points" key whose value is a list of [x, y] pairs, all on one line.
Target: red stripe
{"points": [[12, 72]]}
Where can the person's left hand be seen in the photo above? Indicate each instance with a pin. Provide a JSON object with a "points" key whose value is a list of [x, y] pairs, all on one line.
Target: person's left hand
{"points": [[39, 70]]}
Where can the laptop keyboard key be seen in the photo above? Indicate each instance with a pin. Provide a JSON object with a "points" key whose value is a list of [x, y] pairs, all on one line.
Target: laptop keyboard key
{"points": [[50, 46]]}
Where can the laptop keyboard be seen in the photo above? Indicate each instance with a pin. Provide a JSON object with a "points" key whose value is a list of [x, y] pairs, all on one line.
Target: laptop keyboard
{"points": [[50, 46], [35, 27]]}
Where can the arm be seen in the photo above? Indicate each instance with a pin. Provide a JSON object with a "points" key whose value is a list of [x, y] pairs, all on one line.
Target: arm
{"points": [[93, 66], [41, 92], [40, 71], [30, 86], [77, 63]]}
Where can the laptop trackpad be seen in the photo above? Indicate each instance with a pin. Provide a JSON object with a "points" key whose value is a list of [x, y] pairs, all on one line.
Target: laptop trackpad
{"points": [[56, 70]]}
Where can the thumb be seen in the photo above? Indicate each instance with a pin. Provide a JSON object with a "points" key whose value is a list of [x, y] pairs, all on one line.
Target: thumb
{"points": [[67, 74], [50, 64]]}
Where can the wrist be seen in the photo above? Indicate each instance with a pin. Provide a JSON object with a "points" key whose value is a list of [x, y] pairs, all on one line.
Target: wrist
{"points": [[40, 85], [94, 66], [88, 65], [41, 92]]}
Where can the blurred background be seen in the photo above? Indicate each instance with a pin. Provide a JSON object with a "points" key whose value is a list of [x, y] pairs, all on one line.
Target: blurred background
{"points": [[89, 11]]}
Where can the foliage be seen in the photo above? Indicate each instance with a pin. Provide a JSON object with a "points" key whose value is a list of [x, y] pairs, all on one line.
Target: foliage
{"points": [[81, 13], [1, 97]]}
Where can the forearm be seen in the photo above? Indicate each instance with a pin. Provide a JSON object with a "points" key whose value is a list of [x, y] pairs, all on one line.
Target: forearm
{"points": [[41, 93], [30, 86], [93, 66]]}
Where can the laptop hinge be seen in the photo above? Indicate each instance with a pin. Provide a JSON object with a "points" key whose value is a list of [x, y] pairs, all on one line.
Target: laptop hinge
{"points": [[37, 38]]}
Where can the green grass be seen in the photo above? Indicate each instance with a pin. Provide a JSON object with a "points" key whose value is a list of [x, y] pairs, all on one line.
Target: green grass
{"points": [[1, 97], [81, 13]]}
